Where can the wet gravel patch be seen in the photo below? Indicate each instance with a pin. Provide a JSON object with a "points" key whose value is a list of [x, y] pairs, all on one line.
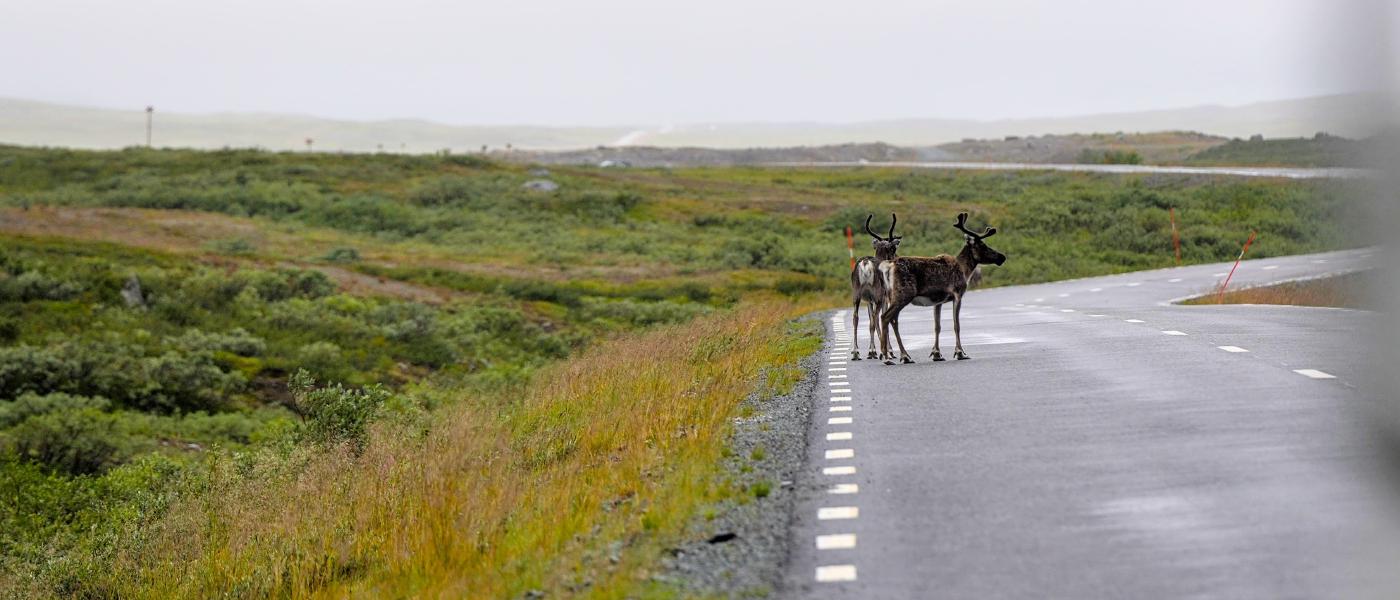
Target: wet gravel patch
{"points": [[738, 548]]}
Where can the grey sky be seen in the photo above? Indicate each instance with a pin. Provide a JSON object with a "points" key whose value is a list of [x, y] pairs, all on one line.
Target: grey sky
{"points": [[654, 62]]}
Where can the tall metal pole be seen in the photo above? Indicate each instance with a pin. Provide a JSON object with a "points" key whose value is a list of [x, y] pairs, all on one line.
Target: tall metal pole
{"points": [[149, 110]]}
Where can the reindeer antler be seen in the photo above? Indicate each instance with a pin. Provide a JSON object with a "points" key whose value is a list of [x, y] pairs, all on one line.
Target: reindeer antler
{"points": [[962, 226], [867, 228], [893, 219]]}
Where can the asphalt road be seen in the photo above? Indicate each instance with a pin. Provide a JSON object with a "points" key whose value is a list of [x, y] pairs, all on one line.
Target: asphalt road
{"points": [[1100, 444]]}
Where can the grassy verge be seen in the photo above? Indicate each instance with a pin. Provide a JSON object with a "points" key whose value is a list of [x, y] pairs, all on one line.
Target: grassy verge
{"points": [[1344, 291], [572, 486]]}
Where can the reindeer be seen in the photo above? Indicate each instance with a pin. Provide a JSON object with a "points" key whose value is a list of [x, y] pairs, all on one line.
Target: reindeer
{"points": [[867, 285], [933, 281]]}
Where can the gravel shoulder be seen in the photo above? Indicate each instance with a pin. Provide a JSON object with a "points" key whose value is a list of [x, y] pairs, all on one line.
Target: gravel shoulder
{"points": [[738, 548]]}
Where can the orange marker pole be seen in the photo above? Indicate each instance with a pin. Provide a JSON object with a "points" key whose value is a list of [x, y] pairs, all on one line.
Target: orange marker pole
{"points": [[1176, 237], [1221, 296], [851, 247]]}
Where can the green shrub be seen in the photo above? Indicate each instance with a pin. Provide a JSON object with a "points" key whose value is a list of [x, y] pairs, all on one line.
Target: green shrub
{"points": [[74, 440], [336, 414]]}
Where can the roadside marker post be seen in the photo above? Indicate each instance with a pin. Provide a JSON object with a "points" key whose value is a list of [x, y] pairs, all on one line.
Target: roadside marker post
{"points": [[1220, 297], [1176, 237], [851, 247]]}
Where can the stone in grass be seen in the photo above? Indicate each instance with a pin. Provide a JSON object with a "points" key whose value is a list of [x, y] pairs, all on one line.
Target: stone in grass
{"points": [[540, 185]]}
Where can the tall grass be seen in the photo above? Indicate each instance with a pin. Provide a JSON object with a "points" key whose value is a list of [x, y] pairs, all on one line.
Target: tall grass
{"points": [[572, 485]]}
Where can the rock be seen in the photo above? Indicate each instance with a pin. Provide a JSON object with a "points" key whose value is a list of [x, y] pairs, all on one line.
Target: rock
{"points": [[720, 538], [540, 185], [131, 293], [539, 172]]}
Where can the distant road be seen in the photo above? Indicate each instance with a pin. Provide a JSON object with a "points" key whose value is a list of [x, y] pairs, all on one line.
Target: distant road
{"points": [[1286, 172], [1102, 443]]}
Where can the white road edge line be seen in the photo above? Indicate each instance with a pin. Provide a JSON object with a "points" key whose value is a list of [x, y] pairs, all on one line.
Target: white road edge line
{"points": [[838, 436], [839, 421], [1134, 321], [834, 573], [839, 409], [840, 453], [837, 513], [1173, 332], [837, 541], [846, 470], [844, 488], [1232, 348], [1314, 374]]}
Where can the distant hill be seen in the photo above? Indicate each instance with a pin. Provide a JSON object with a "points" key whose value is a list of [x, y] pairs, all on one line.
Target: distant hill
{"points": [[43, 124]]}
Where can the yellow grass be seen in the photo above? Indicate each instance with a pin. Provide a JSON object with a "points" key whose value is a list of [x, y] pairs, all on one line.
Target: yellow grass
{"points": [[1347, 291], [573, 486]]}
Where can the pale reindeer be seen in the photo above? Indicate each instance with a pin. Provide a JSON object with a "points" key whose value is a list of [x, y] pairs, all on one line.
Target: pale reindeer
{"points": [[933, 281], [866, 284]]}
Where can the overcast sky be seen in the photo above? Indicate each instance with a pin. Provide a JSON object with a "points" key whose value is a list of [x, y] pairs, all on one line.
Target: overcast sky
{"points": [[653, 62]]}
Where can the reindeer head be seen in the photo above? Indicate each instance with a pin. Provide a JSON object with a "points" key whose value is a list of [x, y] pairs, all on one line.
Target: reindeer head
{"points": [[885, 247], [981, 252]]}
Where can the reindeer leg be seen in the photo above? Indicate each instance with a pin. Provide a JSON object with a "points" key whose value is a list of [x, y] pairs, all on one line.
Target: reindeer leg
{"points": [[957, 328], [903, 354], [937, 329], [874, 320], [855, 331]]}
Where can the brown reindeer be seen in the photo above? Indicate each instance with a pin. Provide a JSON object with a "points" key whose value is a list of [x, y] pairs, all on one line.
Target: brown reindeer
{"points": [[932, 281], [867, 285]]}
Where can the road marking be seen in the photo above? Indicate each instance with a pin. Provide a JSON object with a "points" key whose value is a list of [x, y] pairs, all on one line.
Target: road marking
{"points": [[1314, 374], [833, 369], [839, 409], [1066, 310], [1320, 261], [838, 436], [835, 376], [839, 541], [1039, 300], [1096, 315], [1096, 289], [840, 398], [836, 362], [1232, 348], [1135, 284], [839, 421], [840, 453], [836, 390], [1270, 267], [1218, 274], [846, 470], [830, 573], [1134, 321], [1061, 295], [843, 488], [837, 513], [1174, 280], [1173, 332]]}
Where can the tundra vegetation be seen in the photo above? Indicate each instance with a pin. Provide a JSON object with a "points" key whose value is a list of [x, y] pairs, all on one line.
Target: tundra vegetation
{"points": [[242, 373]]}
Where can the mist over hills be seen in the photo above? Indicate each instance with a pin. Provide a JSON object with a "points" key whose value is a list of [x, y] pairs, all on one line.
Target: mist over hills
{"points": [[27, 122]]}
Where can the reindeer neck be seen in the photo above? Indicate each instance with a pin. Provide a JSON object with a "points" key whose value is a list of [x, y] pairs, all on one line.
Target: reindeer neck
{"points": [[966, 263]]}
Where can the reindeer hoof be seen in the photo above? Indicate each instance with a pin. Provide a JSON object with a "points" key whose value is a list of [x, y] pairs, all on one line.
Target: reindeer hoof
{"points": [[889, 361], [905, 360], [872, 355], [937, 356], [960, 355]]}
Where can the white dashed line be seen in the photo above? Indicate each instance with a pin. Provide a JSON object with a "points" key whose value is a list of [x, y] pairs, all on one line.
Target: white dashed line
{"points": [[843, 488], [1232, 348], [1039, 300], [840, 453], [835, 369], [1096, 289], [1061, 295], [839, 409], [832, 573], [840, 398], [1218, 274], [1066, 310], [1173, 332], [846, 470], [839, 421], [835, 376], [1135, 284], [838, 436], [1320, 261], [1314, 374], [837, 513], [837, 362], [1270, 267], [1095, 315], [839, 541], [1134, 321], [1174, 280]]}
